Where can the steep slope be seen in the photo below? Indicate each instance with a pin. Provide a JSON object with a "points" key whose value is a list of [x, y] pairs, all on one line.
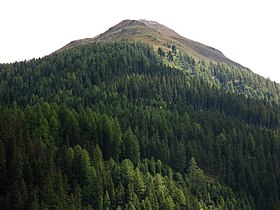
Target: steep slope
{"points": [[157, 35], [213, 66], [108, 125], [113, 125]]}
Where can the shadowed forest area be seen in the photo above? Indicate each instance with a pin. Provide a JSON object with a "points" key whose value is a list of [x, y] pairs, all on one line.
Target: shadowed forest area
{"points": [[112, 126]]}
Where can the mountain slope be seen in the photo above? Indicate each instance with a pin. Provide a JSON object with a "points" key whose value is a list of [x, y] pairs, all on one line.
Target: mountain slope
{"points": [[157, 35], [113, 125], [108, 124], [212, 66]]}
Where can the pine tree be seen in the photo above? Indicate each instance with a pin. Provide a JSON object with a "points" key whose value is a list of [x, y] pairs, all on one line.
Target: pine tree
{"points": [[197, 179], [168, 204], [35, 205], [161, 53], [174, 50], [127, 172], [106, 200], [3, 171], [130, 147], [139, 184]]}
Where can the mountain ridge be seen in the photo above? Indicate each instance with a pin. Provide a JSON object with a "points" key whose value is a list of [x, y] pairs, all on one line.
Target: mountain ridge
{"points": [[157, 35]]}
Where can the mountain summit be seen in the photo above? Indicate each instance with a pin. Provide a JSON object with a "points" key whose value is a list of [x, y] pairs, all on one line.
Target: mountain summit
{"points": [[157, 35]]}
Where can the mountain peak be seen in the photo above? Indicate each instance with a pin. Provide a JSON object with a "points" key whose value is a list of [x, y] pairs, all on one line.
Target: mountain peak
{"points": [[159, 27], [141, 26], [156, 35]]}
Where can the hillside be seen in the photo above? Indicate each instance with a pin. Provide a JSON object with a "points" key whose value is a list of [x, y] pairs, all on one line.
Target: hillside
{"points": [[157, 35], [182, 53], [117, 124]]}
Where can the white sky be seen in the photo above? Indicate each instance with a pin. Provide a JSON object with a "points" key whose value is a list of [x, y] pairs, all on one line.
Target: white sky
{"points": [[246, 31]]}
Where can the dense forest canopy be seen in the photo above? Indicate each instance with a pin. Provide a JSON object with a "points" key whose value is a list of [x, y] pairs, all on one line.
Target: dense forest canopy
{"points": [[114, 126]]}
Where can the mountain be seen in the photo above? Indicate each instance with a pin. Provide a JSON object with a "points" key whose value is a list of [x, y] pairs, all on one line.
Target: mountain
{"points": [[121, 123], [221, 71], [157, 35]]}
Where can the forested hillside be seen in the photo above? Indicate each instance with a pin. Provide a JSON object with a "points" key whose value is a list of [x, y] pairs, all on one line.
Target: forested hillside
{"points": [[110, 125]]}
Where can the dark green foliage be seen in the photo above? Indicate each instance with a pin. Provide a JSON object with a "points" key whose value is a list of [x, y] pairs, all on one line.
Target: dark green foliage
{"points": [[130, 147], [197, 179], [161, 53], [174, 50], [170, 56], [108, 126]]}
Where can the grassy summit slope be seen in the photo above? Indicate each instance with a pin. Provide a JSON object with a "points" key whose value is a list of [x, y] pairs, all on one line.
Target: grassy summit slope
{"points": [[157, 35]]}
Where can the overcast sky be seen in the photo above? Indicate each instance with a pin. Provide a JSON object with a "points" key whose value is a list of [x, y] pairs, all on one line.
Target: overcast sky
{"points": [[246, 31]]}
